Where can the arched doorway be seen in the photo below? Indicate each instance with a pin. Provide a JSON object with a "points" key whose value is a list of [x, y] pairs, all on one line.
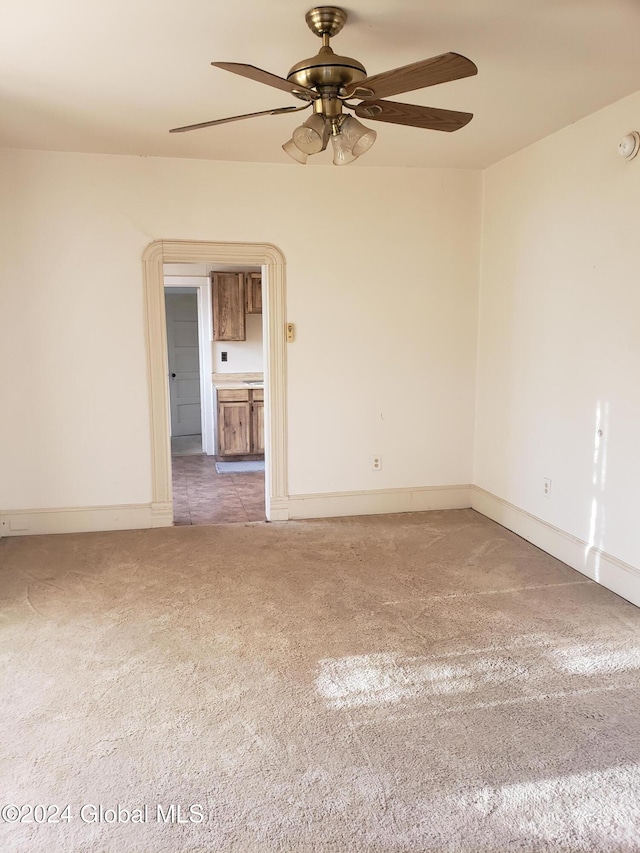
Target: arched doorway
{"points": [[274, 306]]}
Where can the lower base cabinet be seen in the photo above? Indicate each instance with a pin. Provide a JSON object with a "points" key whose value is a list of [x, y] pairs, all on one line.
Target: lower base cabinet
{"points": [[257, 426], [240, 422]]}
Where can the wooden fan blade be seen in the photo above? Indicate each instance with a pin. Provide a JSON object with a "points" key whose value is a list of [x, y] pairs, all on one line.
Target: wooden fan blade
{"points": [[275, 112], [261, 76], [431, 118], [418, 75]]}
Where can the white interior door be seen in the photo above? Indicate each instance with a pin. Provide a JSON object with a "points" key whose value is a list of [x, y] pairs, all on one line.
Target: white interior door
{"points": [[184, 363]]}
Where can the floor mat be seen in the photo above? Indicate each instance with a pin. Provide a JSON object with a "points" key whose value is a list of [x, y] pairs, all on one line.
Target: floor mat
{"points": [[239, 467]]}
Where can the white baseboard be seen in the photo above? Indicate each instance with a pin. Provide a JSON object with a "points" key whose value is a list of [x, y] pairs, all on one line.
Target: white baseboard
{"points": [[30, 522], [162, 514], [278, 509], [616, 575], [378, 502]]}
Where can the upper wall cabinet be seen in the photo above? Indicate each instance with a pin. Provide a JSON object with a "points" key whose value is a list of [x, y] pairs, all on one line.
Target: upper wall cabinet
{"points": [[228, 306], [253, 292]]}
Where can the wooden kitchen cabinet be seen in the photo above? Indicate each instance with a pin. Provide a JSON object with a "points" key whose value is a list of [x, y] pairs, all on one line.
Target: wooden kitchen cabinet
{"points": [[257, 427], [240, 422], [228, 306], [234, 428], [253, 293]]}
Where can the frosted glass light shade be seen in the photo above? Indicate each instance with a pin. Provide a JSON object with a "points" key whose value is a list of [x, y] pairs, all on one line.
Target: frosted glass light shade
{"points": [[342, 153], [312, 136], [293, 151], [359, 137]]}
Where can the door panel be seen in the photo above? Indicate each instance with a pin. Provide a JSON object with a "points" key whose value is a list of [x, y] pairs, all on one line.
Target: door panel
{"points": [[258, 427], [184, 363], [253, 293], [234, 436], [228, 306]]}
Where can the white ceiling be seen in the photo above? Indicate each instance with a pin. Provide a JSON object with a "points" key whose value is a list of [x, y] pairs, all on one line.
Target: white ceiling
{"points": [[113, 76]]}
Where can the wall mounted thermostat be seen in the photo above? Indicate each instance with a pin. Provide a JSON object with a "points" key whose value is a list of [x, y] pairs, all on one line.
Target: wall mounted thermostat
{"points": [[629, 145]]}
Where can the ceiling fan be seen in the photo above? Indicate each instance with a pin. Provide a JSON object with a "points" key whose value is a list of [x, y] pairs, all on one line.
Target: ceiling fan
{"points": [[329, 83]]}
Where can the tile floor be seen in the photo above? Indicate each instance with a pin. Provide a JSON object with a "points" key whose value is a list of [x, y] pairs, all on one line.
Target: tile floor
{"points": [[202, 496]]}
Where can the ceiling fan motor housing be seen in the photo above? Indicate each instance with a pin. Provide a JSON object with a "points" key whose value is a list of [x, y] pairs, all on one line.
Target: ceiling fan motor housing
{"points": [[327, 68]]}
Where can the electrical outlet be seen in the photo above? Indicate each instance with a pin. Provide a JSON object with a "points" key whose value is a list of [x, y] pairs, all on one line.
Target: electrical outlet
{"points": [[546, 488], [223, 356], [376, 463]]}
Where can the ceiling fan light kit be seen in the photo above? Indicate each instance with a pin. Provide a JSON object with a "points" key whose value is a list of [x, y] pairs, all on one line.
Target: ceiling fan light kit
{"points": [[292, 150], [329, 83], [312, 136], [342, 153], [361, 138], [349, 138]]}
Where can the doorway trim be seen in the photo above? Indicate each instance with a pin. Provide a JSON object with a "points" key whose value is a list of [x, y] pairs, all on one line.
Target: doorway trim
{"points": [[272, 261]]}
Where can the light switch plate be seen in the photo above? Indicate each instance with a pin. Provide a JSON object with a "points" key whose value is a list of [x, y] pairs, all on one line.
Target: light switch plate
{"points": [[290, 333]]}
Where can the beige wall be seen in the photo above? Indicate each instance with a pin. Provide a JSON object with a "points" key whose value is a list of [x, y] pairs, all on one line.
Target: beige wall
{"points": [[242, 356], [559, 334], [382, 284], [382, 269]]}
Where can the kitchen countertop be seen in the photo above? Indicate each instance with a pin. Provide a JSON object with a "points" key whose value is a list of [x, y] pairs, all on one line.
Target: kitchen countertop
{"points": [[234, 381]]}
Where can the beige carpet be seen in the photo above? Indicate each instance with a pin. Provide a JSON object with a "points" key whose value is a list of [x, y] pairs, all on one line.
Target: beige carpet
{"points": [[423, 682]]}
